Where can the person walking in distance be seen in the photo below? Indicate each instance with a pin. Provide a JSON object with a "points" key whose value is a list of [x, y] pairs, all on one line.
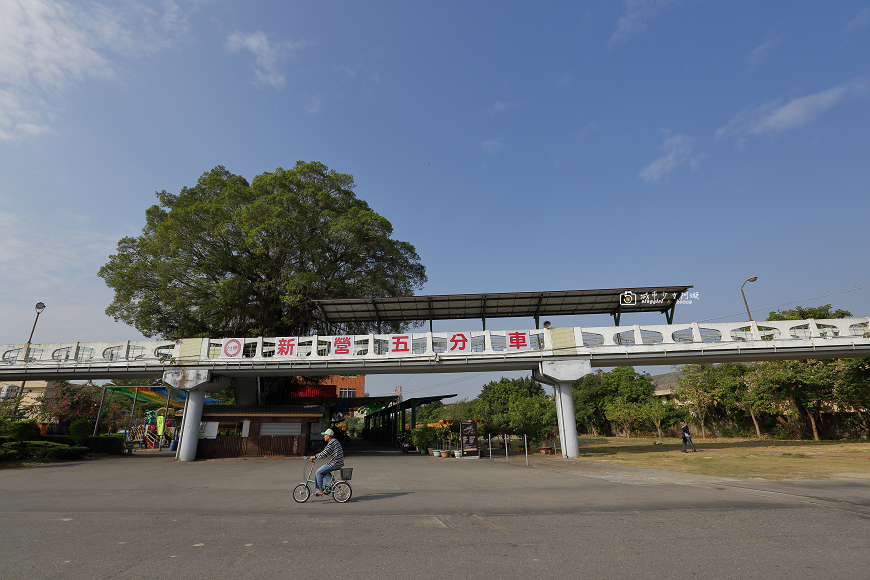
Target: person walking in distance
{"points": [[687, 437]]}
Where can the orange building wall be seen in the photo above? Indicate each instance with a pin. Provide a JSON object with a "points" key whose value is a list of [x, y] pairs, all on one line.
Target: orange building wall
{"points": [[356, 382]]}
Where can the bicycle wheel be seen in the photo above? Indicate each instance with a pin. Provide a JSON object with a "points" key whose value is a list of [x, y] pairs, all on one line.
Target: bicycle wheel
{"points": [[301, 493], [341, 491]]}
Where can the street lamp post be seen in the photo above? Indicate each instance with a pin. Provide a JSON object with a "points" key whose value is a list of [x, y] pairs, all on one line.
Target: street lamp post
{"points": [[40, 306], [750, 279]]}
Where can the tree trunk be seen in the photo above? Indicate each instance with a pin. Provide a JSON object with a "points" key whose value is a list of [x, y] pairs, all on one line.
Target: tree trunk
{"points": [[815, 429], [755, 421], [808, 419]]}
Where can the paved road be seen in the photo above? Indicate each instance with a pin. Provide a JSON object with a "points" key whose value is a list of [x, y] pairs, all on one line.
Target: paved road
{"points": [[415, 516]]}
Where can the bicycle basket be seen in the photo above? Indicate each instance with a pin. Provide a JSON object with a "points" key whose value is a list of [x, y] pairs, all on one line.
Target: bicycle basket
{"points": [[346, 473]]}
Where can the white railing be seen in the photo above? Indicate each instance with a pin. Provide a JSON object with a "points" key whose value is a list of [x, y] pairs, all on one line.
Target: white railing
{"points": [[489, 344]]}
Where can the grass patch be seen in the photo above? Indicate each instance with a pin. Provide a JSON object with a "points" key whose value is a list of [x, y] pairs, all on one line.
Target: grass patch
{"points": [[738, 458]]}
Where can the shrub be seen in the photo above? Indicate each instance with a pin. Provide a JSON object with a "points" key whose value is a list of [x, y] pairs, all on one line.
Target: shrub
{"points": [[80, 429], [9, 454], [66, 452], [5, 439], [110, 445], [25, 431], [62, 439], [44, 449]]}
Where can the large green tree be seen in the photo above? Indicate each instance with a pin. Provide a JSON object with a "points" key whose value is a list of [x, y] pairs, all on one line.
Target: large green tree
{"points": [[225, 257], [594, 393], [697, 389]]}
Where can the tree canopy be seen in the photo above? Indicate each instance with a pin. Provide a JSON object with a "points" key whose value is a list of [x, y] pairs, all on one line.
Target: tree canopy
{"points": [[815, 312], [226, 257]]}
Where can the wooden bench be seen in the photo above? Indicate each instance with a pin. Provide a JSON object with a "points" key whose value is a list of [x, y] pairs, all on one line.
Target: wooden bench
{"points": [[130, 444]]}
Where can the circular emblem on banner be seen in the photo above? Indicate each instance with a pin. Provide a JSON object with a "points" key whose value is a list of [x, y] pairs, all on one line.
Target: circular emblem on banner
{"points": [[232, 348]]}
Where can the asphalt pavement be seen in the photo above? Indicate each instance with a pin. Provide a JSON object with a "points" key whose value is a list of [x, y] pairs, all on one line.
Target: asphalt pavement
{"points": [[415, 516]]}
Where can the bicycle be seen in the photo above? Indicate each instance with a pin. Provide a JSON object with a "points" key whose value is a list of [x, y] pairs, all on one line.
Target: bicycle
{"points": [[339, 489]]}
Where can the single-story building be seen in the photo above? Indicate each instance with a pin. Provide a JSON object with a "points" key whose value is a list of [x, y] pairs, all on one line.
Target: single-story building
{"points": [[258, 430]]}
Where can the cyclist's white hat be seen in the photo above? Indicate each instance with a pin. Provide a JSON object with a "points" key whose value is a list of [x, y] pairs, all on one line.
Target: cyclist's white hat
{"points": [[329, 432]]}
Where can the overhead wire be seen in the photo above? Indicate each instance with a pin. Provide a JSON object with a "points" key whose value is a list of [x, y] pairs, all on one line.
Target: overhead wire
{"points": [[787, 303]]}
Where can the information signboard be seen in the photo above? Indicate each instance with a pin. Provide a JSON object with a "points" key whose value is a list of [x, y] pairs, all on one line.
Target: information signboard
{"points": [[468, 435]]}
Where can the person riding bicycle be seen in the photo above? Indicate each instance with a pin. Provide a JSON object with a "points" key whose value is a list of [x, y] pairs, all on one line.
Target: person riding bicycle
{"points": [[335, 453]]}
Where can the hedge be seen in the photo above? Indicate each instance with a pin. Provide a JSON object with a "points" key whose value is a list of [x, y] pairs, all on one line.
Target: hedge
{"points": [[80, 429], [44, 449], [9, 454], [24, 430]]}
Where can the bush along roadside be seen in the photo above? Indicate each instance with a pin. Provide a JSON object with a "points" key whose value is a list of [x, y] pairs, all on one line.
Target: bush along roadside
{"points": [[25, 431], [26, 442], [41, 450]]}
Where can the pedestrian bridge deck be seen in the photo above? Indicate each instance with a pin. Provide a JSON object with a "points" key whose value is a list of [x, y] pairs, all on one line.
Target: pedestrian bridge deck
{"points": [[429, 352]]}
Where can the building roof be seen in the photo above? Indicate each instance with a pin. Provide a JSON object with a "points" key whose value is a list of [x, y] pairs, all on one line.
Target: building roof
{"points": [[406, 404], [502, 305]]}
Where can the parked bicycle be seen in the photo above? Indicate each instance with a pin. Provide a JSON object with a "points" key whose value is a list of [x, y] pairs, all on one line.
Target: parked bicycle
{"points": [[338, 488]]}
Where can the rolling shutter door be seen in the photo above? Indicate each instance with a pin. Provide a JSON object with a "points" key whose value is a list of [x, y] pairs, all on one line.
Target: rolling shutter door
{"points": [[267, 429]]}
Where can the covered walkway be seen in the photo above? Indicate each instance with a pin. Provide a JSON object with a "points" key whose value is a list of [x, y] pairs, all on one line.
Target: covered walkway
{"points": [[393, 417]]}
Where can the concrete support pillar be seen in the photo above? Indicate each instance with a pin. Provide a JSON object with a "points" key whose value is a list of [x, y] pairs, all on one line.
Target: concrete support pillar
{"points": [[557, 397], [188, 380], [567, 420], [190, 430], [560, 374]]}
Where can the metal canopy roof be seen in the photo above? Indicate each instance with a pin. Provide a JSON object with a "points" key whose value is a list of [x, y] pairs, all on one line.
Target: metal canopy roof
{"points": [[502, 305], [410, 403]]}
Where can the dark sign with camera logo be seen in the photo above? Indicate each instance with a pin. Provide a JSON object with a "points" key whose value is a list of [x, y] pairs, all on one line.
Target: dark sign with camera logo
{"points": [[468, 434]]}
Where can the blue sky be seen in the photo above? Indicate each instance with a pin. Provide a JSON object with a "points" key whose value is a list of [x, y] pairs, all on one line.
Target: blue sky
{"points": [[518, 146]]}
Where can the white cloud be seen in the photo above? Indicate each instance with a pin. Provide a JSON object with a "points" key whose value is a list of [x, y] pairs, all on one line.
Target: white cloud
{"points": [[498, 107], [777, 116], [677, 151], [637, 14], [45, 47], [267, 54], [492, 146], [860, 21], [314, 104], [56, 262], [761, 52], [346, 71]]}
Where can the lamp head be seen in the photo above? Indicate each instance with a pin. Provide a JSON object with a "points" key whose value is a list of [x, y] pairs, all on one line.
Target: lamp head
{"points": [[40, 306], [546, 324], [752, 279]]}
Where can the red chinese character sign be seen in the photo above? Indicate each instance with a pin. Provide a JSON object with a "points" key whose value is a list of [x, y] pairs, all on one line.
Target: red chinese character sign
{"points": [[232, 348], [400, 343], [342, 345], [517, 340], [285, 346], [459, 342]]}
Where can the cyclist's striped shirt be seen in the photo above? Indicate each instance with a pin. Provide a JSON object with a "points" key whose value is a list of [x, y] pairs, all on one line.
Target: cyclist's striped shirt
{"points": [[334, 451]]}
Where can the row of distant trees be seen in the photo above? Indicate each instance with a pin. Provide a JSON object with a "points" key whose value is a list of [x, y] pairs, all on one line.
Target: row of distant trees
{"points": [[791, 398], [787, 399]]}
